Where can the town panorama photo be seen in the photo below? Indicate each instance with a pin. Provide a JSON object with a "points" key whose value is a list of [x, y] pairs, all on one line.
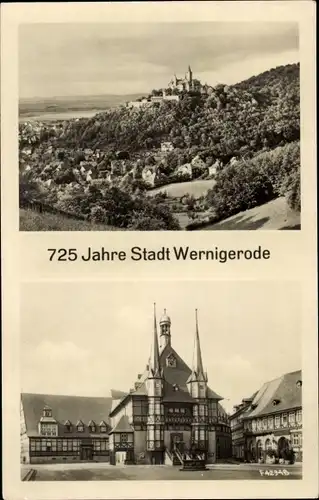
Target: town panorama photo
{"points": [[159, 126]]}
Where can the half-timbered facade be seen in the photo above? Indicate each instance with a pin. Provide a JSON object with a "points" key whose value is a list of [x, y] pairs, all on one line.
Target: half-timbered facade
{"points": [[271, 424], [64, 428], [171, 407]]}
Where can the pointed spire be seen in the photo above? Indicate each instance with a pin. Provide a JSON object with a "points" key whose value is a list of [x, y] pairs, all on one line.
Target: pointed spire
{"points": [[197, 369], [154, 364], [198, 363]]}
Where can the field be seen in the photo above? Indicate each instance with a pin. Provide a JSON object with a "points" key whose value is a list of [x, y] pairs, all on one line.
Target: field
{"points": [[63, 108], [34, 221], [195, 188], [106, 472], [272, 215]]}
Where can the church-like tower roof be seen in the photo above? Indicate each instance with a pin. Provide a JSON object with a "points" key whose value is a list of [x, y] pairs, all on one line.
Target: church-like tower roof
{"points": [[154, 364], [198, 370], [174, 375]]}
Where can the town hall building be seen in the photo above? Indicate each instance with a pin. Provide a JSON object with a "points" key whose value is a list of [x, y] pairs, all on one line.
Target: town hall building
{"points": [[169, 414]]}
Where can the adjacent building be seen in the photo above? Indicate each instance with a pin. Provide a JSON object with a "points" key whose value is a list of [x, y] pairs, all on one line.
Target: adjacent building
{"points": [[170, 413], [237, 428], [64, 428], [270, 425]]}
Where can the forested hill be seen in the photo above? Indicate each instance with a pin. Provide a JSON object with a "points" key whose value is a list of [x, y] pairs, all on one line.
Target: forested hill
{"points": [[236, 120]]}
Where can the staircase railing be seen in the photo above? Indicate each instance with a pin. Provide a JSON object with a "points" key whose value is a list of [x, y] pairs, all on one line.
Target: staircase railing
{"points": [[168, 457], [179, 455]]}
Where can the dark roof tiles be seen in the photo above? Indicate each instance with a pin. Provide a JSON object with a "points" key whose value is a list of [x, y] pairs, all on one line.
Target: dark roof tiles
{"points": [[65, 408], [283, 389]]}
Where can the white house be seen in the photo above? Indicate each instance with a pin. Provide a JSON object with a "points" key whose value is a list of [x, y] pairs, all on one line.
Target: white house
{"points": [[166, 147]]}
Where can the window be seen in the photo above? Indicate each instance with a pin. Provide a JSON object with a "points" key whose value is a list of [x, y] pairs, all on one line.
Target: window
{"points": [[284, 419], [47, 412], [299, 383], [264, 423], [80, 426], [157, 408], [291, 418], [270, 422], [103, 426], [202, 410], [92, 426], [202, 435], [299, 416], [124, 437], [176, 410], [157, 434], [68, 426], [49, 429], [277, 421], [170, 410], [258, 424], [296, 439], [253, 425], [183, 410]]}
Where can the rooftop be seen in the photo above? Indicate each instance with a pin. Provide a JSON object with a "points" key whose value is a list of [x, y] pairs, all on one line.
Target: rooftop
{"points": [[65, 408]]}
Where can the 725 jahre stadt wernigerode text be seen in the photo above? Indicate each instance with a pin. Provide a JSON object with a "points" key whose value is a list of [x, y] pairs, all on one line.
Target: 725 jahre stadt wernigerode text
{"points": [[177, 253]]}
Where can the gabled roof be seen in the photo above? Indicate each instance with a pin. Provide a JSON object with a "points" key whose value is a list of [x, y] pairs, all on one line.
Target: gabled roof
{"points": [[177, 375], [284, 389], [123, 425], [64, 408]]}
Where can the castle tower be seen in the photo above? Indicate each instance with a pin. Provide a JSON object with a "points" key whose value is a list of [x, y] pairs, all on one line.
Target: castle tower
{"points": [[165, 331], [197, 386], [155, 419]]}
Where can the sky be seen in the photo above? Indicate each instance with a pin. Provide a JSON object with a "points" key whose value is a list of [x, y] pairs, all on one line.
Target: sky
{"points": [[88, 338], [91, 59]]}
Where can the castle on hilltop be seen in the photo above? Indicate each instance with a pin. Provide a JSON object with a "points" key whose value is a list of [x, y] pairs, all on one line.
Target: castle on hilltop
{"points": [[188, 83], [171, 92]]}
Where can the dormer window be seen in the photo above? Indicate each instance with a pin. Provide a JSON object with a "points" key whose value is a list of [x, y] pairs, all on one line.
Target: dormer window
{"points": [[103, 426], [68, 426], [92, 426], [275, 402], [80, 426], [47, 412], [175, 387], [299, 383]]}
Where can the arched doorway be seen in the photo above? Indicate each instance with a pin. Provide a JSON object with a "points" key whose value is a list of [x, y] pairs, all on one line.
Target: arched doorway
{"points": [[268, 445], [283, 447]]}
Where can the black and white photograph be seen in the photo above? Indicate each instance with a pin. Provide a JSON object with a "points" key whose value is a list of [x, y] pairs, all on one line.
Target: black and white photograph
{"points": [[161, 381], [163, 126]]}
